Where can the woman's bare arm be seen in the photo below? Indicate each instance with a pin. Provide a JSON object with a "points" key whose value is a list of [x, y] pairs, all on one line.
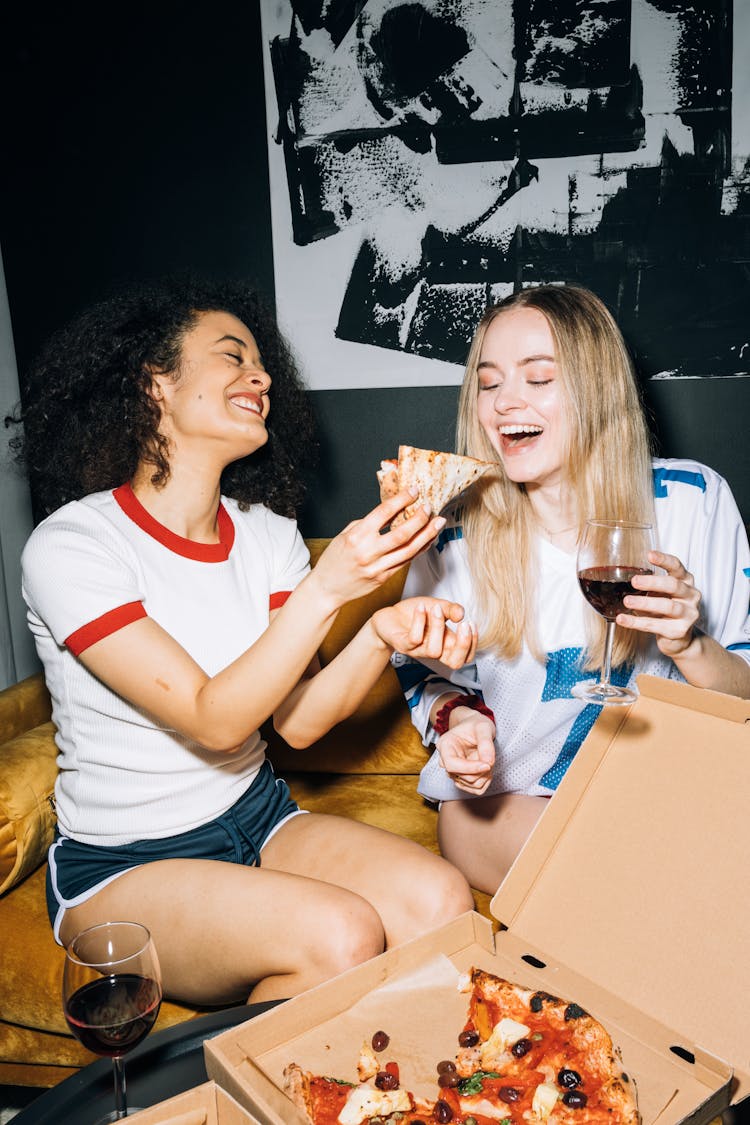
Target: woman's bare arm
{"points": [[146, 666]]}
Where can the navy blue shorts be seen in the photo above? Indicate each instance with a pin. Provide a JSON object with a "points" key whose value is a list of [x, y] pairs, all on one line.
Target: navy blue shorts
{"points": [[77, 871]]}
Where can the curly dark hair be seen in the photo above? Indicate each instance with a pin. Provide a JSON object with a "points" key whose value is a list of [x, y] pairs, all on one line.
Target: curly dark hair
{"points": [[89, 421]]}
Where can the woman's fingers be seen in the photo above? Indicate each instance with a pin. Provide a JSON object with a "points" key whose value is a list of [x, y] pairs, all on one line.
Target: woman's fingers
{"points": [[385, 513], [670, 563], [666, 604], [362, 557], [435, 626], [475, 787], [419, 625], [383, 553], [427, 628], [468, 757], [464, 646], [472, 759]]}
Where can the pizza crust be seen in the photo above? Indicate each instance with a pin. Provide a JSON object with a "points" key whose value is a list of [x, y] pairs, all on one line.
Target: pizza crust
{"points": [[297, 1088]]}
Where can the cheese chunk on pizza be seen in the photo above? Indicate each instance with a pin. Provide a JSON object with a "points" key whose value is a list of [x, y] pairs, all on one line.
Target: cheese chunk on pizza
{"points": [[330, 1101], [438, 477]]}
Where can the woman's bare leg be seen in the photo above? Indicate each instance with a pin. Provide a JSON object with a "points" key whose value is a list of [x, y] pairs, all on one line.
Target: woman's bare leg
{"points": [[225, 932], [411, 889], [330, 893], [482, 836]]}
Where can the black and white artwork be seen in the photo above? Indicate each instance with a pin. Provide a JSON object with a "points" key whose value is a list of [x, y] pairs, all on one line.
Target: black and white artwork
{"points": [[428, 157]]}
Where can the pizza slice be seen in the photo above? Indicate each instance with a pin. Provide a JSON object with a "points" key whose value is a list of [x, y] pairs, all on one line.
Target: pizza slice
{"points": [[374, 1099], [438, 477], [525, 1055]]}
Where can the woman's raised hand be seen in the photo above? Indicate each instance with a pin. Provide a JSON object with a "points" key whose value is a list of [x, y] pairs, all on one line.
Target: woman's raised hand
{"points": [[668, 607], [421, 627], [363, 557]]}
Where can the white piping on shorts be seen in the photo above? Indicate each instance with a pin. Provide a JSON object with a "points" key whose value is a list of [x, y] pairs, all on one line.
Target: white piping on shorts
{"points": [[66, 904]]}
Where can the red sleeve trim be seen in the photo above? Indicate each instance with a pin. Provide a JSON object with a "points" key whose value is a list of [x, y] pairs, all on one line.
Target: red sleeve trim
{"points": [[277, 600], [104, 626]]}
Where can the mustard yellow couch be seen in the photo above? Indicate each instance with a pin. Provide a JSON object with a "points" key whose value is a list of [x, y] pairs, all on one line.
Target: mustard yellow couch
{"points": [[366, 768]]}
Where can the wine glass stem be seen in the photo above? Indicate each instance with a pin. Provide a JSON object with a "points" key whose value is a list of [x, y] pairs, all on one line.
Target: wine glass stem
{"points": [[607, 667], [121, 1101]]}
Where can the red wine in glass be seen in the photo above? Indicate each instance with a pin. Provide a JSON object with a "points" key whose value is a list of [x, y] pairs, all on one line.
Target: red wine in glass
{"points": [[610, 554], [112, 1015], [111, 994], [605, 587]]}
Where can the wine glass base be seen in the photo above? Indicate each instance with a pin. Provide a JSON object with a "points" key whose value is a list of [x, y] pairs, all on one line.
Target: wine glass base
{"points": [[605, 695], [114, 1116]]}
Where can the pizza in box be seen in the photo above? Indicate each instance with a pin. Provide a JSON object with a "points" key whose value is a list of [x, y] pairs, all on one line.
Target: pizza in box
{"points": [[523, 1057]]}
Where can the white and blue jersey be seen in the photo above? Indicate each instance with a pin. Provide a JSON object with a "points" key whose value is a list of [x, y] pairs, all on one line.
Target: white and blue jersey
{"points": [[540, 726]]}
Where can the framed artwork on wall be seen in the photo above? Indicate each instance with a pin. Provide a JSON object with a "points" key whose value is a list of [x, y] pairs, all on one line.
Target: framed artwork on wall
{"points": [[428, 157]]}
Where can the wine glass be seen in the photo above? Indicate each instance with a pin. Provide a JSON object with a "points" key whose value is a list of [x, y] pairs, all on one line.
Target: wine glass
{"points": [[610, 554], [112, 994]]}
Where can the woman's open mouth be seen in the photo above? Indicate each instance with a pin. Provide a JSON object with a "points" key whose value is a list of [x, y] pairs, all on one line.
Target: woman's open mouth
{"points": [[250, 402], [518, 436]]}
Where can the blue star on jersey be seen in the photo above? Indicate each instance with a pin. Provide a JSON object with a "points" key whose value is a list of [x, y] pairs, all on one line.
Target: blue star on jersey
{"points": [[563, 672]]}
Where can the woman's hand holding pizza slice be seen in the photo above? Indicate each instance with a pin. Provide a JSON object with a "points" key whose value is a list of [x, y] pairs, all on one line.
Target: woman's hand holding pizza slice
{"points": [[363, 556]]}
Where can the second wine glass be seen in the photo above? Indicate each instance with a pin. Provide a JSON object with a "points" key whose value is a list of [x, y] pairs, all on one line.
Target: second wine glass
{"points": [[611, 553]]}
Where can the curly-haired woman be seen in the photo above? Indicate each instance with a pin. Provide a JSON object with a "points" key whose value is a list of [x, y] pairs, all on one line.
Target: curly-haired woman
{"points": [[550, 395], [174, 610]]}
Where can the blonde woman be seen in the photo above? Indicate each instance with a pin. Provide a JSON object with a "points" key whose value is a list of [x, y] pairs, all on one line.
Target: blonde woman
{"points": [[550, 395]]}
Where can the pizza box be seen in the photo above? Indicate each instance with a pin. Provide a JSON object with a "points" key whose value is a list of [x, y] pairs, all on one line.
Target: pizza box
{"points": [[628, 898], [203, 1105]]}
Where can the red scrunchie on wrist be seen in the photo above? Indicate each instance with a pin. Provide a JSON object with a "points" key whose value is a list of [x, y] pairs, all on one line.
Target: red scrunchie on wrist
{"points": [[443, 716]]}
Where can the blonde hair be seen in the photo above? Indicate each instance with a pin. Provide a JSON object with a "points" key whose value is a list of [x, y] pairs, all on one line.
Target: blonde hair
{"points": [[608, 467]]}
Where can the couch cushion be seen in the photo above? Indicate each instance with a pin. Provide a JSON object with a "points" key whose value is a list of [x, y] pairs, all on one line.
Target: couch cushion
{"points": [[388, 801], [27, 813], [24, 705]]}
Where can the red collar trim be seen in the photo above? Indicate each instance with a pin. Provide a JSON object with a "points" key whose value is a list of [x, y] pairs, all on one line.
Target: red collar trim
{"points": [[200, 552]]}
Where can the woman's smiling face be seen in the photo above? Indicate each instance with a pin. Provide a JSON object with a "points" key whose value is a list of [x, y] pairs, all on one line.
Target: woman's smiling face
{"points": [[521, 403], [221, 393]]}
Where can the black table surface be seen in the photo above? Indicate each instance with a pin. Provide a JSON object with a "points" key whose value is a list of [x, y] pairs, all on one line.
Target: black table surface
{"points": [[165, 1064]]}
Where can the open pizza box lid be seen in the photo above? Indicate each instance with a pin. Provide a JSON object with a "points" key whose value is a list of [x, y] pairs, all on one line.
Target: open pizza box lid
{"points": [[207, 1104], [628, 898]]}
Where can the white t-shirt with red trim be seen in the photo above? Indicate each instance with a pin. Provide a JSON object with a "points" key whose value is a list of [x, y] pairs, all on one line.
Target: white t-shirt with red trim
{"points": [[93, 567]]}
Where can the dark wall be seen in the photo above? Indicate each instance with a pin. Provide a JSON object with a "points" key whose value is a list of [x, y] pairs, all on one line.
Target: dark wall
{"points": [[135, 146], [138, 146]]}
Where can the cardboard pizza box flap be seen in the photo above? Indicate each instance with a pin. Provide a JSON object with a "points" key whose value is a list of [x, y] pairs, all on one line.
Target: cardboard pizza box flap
{"points": [[206, 1104], [637, 873]]}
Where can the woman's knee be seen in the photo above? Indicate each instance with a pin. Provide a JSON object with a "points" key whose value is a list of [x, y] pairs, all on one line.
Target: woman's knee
{"points": [[348, 935], [444, 896]]}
